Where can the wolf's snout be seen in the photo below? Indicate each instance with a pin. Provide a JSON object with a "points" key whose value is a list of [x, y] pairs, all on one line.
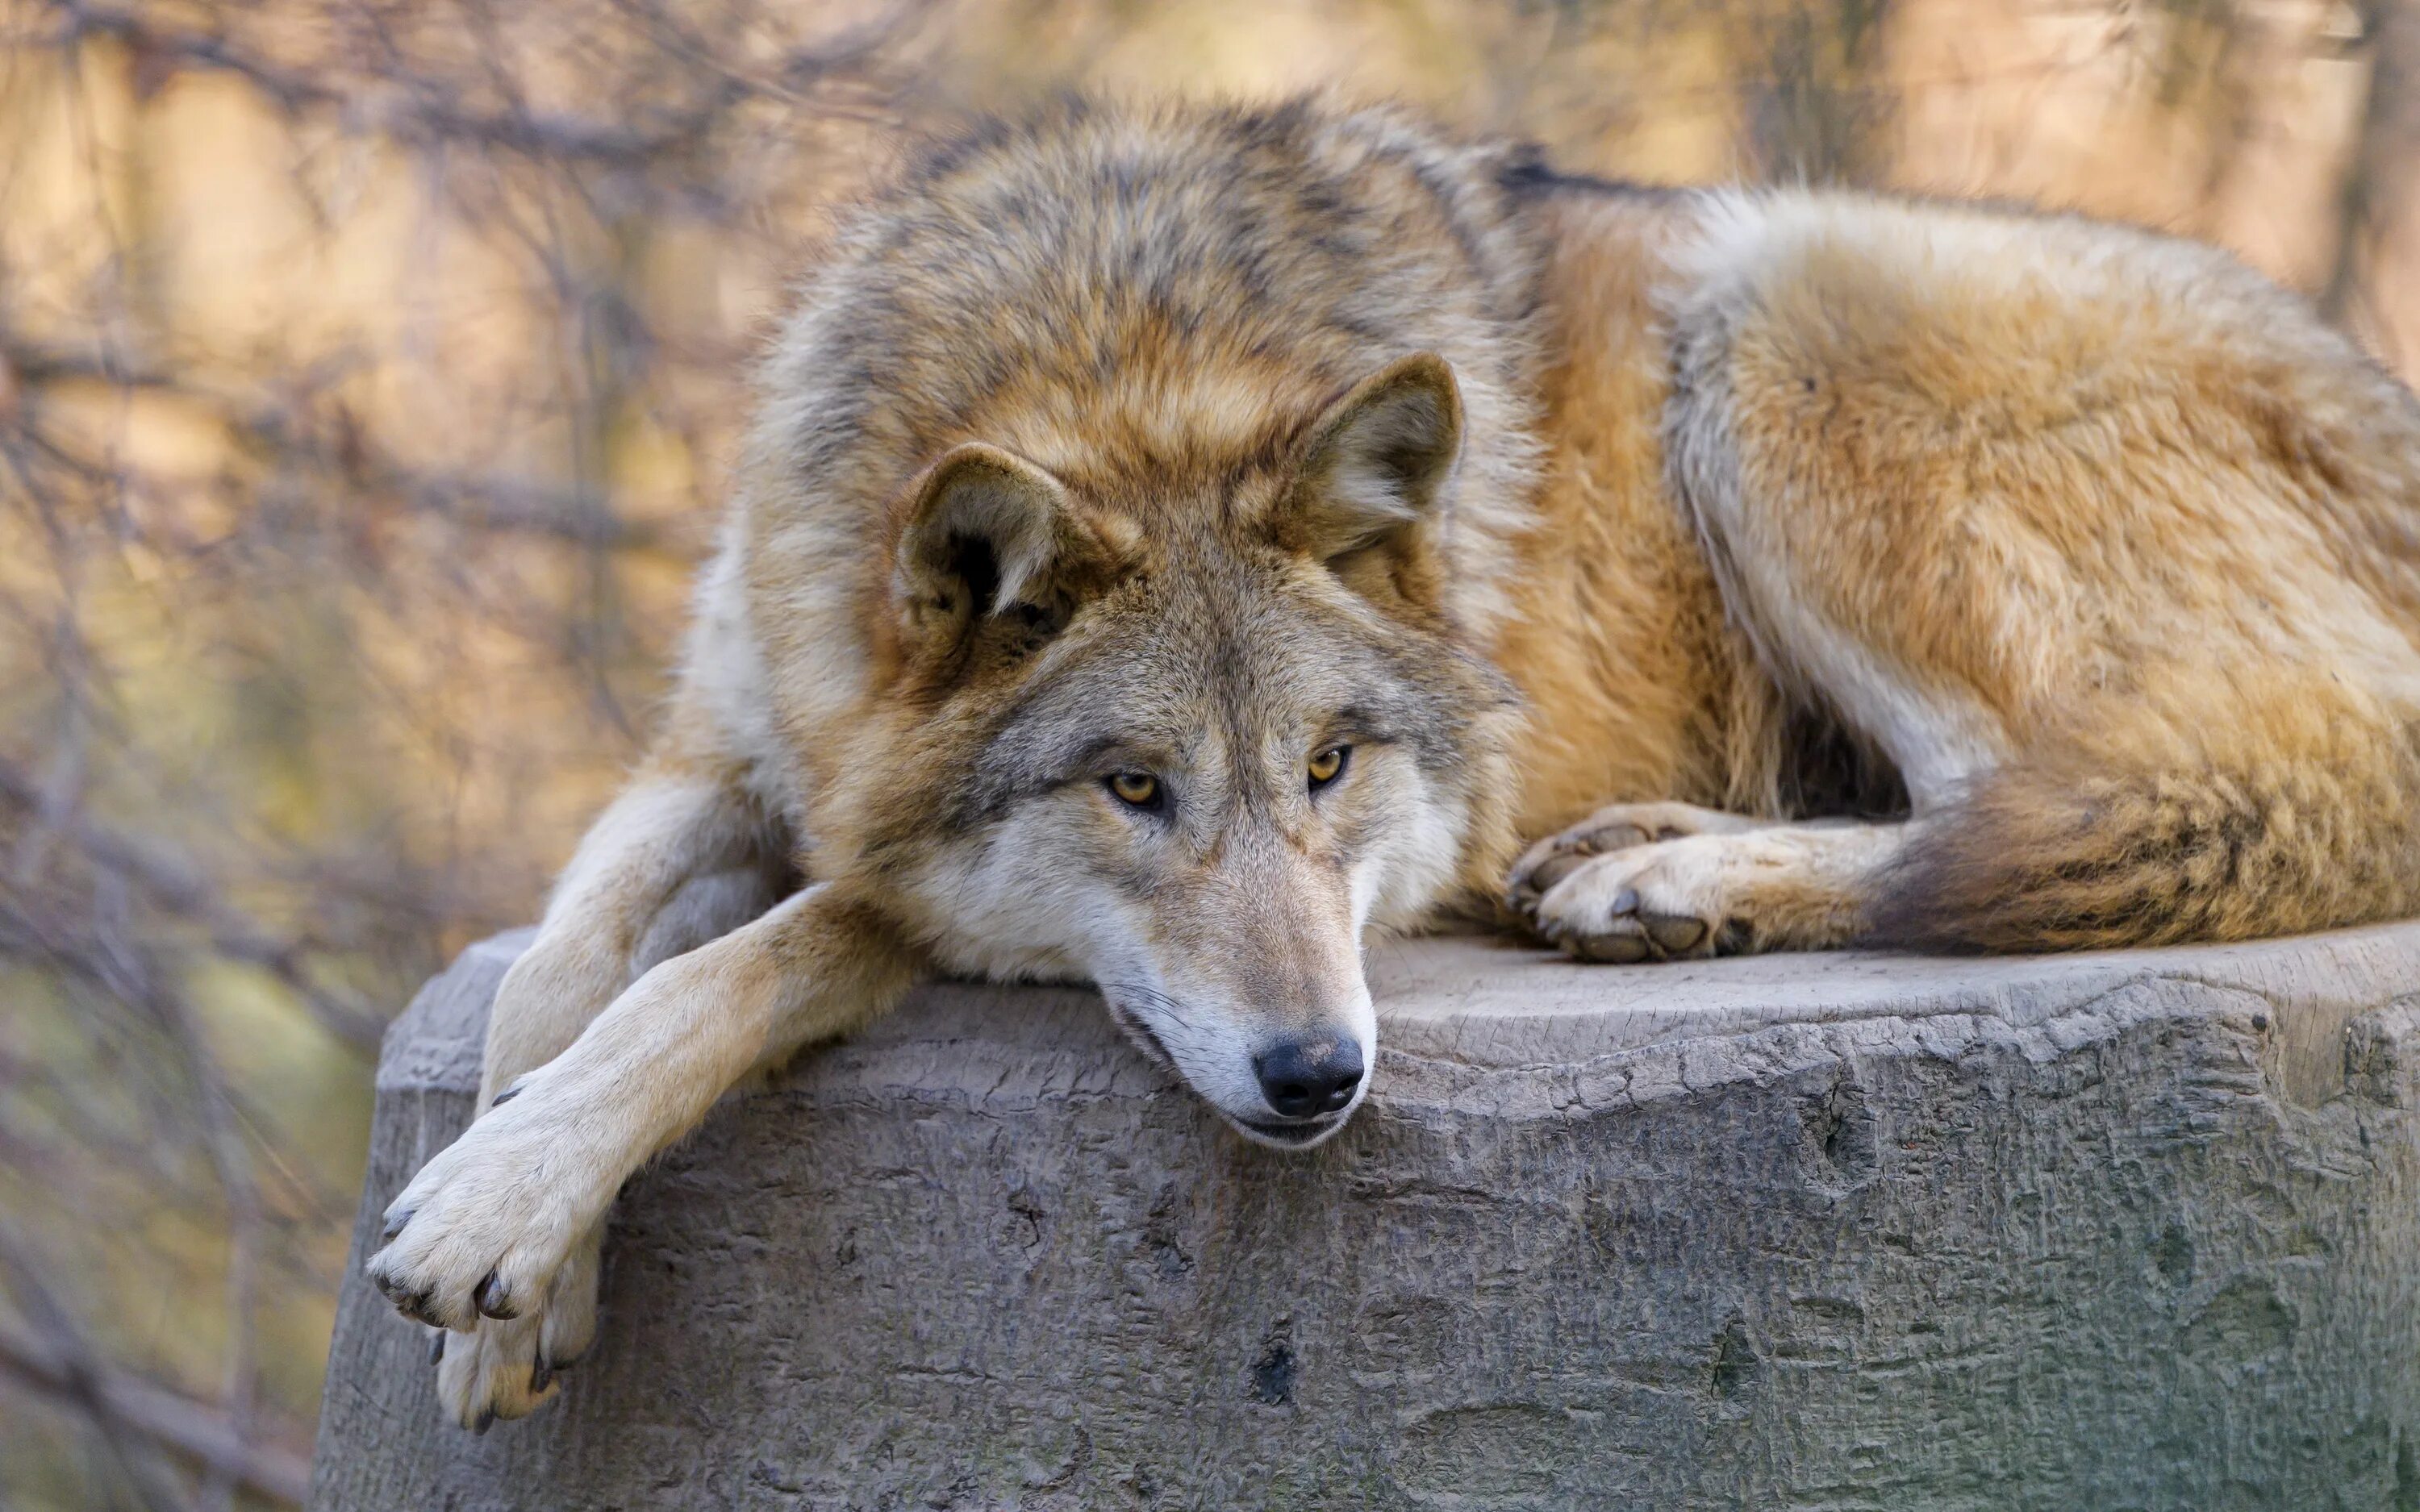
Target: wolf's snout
{"points": [[1305, 1078]]}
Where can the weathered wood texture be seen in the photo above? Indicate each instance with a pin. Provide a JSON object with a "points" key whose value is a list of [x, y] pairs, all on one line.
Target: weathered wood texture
{"points": [[2131, 1231]]}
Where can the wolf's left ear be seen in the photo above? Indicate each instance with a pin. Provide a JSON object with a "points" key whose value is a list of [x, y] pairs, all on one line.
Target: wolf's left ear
{"points": [[1379, 460]]}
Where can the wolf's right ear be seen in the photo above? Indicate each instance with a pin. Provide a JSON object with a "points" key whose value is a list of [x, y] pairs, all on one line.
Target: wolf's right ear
{"points": [[985, 533]]}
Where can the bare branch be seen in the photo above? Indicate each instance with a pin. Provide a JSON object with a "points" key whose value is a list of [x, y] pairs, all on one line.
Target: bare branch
{"points": [[180, 890], [279, 1468]]}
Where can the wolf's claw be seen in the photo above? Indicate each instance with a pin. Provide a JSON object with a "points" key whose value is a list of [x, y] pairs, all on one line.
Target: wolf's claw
{"points": [[413, 1303], [494, 1300]]}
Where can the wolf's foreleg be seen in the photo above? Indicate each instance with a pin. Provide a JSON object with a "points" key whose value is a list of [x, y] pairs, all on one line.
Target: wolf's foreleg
{"points": [[1661, 881], [486, 1226], [673, 829], [682, 856]]}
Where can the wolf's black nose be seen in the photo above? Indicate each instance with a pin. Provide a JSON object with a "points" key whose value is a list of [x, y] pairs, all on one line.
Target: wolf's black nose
{"points": [[1302, 1078]]}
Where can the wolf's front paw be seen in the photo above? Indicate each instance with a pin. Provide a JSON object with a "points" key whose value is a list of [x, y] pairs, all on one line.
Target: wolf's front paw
{"points": [[1618, 826], [484, 1228], [509, 1367], [1662, 901]]}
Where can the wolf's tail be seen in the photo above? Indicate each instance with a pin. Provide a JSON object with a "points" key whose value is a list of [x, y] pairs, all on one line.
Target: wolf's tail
{"points": [[2230, 810]]}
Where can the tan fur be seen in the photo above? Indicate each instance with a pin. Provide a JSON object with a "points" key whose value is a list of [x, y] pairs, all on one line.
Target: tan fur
{"points": [[1792, 568]]}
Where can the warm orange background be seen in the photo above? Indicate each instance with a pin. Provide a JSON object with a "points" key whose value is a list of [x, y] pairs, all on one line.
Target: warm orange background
{"points": [[367, 378]]}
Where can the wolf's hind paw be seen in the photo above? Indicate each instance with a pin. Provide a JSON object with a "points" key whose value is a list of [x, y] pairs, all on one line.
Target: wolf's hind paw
{"points": [[1662, 901], [1618, 826]]}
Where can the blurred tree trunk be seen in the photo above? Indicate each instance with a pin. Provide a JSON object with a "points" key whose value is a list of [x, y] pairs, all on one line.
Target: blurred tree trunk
{"points": [[1817, 99], [2376, 197]]}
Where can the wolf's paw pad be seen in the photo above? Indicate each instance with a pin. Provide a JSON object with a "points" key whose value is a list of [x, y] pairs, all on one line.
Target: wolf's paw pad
{"points": [[507, 1368], [1618, 826], [1661, 901], [478, 1233]]}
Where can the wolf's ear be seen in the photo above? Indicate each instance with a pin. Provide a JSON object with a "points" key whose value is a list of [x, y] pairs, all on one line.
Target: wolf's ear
{"points": [[1379, 458], [985, 533]]}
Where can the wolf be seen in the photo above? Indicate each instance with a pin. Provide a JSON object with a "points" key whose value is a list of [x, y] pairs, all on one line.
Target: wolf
{"points": [[1175, 543]]}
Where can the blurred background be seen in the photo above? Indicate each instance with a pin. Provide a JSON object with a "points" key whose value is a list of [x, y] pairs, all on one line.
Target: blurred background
{"points": [[368, 374]]}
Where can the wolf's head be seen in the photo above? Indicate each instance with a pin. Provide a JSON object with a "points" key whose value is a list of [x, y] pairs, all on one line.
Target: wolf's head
{"points": [[1117, 586], [1192, 749]]}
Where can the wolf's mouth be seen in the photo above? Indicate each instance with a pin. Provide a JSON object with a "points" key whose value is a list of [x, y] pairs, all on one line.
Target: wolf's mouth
{"points": [[1286, 1135], [1138, 1034]]}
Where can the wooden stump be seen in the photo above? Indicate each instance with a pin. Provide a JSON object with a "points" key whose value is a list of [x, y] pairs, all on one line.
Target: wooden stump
{"points": [[2118, 1231]]}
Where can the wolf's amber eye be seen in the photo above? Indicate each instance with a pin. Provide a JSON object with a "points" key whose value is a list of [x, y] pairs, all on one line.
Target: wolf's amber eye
{"points": [[1329, 765], [1138, 789]]}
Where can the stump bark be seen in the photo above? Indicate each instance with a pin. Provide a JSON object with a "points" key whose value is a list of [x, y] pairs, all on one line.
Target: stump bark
{"points": [[2121, 1231]]}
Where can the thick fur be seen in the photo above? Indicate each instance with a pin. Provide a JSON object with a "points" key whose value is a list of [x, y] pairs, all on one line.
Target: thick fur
{"points": [[1175, 543], [2102, 538], [2298, 810]]}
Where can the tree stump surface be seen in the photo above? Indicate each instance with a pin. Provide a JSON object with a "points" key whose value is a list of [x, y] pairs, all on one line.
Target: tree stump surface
{"points": [[2124, 1231]]}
